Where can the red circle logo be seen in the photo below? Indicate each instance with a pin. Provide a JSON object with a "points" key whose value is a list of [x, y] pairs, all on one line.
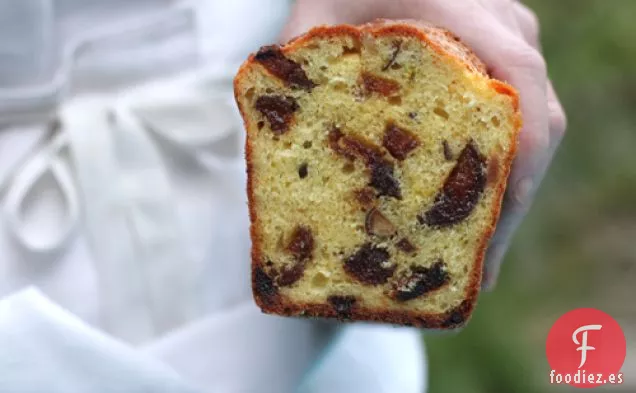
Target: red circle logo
{"points": [[586, 348]]}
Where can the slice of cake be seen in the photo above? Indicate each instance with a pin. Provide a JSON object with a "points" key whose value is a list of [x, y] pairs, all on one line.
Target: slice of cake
{"points": [[377, 157]]}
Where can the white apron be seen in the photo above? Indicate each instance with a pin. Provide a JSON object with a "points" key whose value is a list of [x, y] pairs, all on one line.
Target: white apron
{"points": [[124, 245]]}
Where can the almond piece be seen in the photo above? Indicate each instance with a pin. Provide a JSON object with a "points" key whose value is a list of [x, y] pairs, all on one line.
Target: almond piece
{"points": [[377, 224]]}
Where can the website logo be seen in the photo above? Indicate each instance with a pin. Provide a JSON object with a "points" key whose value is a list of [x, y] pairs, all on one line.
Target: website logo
{"points": [[586, 348]]}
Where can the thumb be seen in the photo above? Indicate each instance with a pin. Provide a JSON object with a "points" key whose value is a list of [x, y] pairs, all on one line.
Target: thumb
{"points": [[306, 14], [309, 13]]}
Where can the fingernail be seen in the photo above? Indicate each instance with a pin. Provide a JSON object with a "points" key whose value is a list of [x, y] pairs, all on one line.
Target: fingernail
{"points": [[523, 190]]}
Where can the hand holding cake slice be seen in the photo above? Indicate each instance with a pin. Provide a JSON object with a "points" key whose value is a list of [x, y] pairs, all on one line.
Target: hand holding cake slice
{"points": [[377, 160]]}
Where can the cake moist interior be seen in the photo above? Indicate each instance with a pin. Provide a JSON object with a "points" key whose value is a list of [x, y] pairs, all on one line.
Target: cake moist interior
{"points": [[376, 166]]}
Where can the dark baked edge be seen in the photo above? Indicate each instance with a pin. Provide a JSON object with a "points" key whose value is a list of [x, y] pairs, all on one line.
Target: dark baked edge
{"points": [[458, 316]]}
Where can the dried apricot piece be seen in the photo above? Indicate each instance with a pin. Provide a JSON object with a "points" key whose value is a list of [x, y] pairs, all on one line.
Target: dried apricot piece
{"points": [[398, 141], [272, 58], [461, 191], [377, 84], [278, 110]]}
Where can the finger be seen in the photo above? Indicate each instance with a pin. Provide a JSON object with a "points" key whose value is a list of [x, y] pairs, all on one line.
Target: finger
{"points": [[557, 119], [511, 218], [517, 200], [504, 13], [306, 14], [309, 13], [528, 24]]}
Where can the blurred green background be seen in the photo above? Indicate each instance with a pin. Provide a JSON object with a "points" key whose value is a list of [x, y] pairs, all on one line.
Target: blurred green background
{"points": [[577, 247]]}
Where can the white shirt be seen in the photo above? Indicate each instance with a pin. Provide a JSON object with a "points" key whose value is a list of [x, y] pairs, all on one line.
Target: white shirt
{"points": [[124, 254]]}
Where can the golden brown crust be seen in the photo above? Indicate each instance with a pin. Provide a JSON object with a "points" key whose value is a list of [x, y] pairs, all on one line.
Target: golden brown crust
{"points": [[447, 44], [441, 40]]}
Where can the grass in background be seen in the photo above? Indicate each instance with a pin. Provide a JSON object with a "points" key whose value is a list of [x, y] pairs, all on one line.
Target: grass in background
{"points": [[577, 247]]}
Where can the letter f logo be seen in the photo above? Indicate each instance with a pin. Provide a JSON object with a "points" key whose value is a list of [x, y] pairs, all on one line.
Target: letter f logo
{"points": [[584, 347]]}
